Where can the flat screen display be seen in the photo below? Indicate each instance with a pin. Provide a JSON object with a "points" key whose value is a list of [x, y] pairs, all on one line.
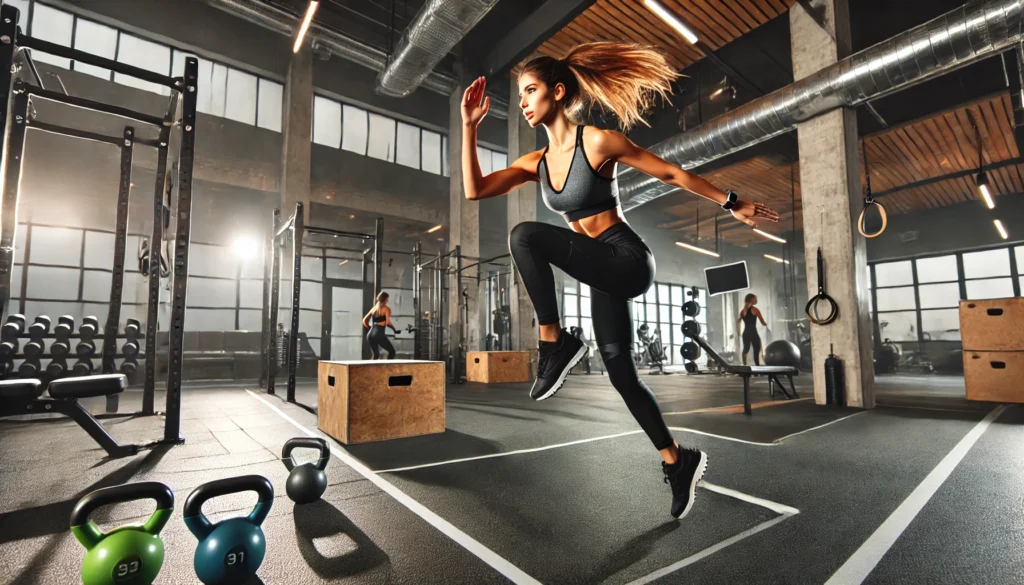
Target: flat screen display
{"points": [[726, 278]]}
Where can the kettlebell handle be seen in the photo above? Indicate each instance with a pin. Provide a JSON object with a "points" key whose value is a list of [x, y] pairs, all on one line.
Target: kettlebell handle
{"points": [[200, 525], [89, 534], [306, 442]]}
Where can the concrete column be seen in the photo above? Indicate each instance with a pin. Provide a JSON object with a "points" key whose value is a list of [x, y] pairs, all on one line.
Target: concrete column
{"points": [[832, 198], [522, 206], [464, 232], [297, 128]]}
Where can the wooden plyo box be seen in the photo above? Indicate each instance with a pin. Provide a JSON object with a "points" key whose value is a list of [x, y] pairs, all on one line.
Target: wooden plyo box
{"points": [[994, 376], [992, 325], [498, 367], [374, 400]]}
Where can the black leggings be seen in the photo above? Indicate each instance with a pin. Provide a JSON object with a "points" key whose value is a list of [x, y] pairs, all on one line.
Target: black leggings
{"points": [[618, 266], [751, 338], [377, 338]]}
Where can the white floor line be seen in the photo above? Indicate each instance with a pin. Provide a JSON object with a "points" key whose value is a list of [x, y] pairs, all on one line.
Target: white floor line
{"points": [[910, 407], [733, 439], [773, 506], [857, 568], [766, 404], [513, 573], [820, 426], [708, 551], [507, 453]]}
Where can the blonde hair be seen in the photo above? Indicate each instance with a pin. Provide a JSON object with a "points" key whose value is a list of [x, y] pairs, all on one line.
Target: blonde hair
{"points": [[622, 78], [383, 296]]}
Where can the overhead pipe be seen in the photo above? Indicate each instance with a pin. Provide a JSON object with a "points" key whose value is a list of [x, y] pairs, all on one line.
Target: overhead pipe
{"points": [[433, 32], [282, 22], [972, 32]]}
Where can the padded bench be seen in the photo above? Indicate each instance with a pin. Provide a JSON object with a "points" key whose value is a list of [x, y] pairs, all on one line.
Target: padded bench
{"points": [[773, 373], [23, 397]]}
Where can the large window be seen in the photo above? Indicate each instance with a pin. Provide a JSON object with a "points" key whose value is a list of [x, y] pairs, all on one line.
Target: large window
{"points": [[661, 308], [224, 91], [918, 300]]}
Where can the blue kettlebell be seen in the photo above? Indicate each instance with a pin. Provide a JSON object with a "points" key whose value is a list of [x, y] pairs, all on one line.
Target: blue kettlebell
{"points": [[232, 550], [306, 482]]}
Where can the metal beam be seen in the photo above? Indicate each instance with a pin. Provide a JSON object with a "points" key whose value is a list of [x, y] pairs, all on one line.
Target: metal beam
{"points": [[1015, 78], [531, 33]]}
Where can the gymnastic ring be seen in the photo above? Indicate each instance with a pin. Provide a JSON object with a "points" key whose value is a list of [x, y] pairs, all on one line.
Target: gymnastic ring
{"points": [[812, 316], [860, 220]]}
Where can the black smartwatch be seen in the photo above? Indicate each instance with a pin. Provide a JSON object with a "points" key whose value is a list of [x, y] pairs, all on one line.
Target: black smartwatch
{"points": [[730, 200]]}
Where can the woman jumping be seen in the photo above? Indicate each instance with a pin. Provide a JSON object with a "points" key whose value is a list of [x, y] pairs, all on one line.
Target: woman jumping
{"points": [[377, 335], [577, 177], [749, 316]]}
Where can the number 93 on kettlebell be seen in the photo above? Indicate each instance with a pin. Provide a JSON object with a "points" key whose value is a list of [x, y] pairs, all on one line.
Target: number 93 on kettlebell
{"points": [[307, 481], [127, 555], [230, 551]]}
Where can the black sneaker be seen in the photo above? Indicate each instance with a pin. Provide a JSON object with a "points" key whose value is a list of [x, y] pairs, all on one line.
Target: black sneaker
{"points": [[553, 364], [683, 477]]}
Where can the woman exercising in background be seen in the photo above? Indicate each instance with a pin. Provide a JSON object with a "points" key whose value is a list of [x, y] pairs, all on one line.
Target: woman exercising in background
{"points": [[377, 336], [749, 316]]}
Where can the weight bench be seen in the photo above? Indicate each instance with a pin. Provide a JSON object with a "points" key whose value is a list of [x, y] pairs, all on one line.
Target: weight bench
{"points": [[773, 373], [23, 397]]}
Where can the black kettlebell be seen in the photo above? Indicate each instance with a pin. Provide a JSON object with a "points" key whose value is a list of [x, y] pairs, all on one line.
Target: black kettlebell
{"points": [[306, 482], [230, 551]]}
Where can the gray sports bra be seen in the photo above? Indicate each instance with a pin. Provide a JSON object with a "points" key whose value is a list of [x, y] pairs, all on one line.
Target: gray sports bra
{"points": [[585, 192]]}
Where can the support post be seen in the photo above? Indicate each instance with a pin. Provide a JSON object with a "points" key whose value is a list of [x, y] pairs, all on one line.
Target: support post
{"points": [[13, 156], [522, 206], [293, 337], [368, 296], [378, 256], [275, 300], [830, 180], [120, 237]]}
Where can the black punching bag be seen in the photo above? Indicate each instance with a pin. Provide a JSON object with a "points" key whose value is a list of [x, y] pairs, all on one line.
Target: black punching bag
{"points": [[834, 386]]}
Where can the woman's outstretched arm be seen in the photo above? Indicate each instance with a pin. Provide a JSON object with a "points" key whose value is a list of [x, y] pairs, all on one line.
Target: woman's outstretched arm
{"points": [[475, 184], [614, 146]]}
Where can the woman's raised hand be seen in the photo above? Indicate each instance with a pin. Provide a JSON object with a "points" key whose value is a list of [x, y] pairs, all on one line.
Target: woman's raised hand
{"points": [[474, 104]]}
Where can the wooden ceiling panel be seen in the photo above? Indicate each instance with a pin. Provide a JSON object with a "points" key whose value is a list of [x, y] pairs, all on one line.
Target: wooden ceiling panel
{"points": [[930, 148], [716, 23]]}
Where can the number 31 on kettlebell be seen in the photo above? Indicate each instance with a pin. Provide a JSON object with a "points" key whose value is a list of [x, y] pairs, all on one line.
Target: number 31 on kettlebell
{"points": [[232, 550], [127, 555]]}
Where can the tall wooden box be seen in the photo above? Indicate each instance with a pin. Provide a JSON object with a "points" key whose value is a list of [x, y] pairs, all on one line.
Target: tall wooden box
{"points": [[497, 367], [994, 376], [373, 400], [992, 325]]}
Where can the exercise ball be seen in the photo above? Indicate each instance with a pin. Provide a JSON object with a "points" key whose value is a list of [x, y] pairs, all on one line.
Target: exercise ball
{"points": [[782, 353]]}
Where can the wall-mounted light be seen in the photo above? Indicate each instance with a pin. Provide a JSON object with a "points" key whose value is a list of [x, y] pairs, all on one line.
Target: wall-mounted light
{"points": [[672, 20], [305, 25], [434, 229], [770, 236], [1001, 229], [245, 247], [776, 259], [982, 181], [698, 250]]}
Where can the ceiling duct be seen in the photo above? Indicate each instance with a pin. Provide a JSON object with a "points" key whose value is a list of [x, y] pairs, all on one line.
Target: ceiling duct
{"points": [[285, 23], [436, 29], [968, 34]]}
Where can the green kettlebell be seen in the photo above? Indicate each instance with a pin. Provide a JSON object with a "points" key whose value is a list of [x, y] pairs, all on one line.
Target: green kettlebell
{"points": [[127, 555], [306, 482], [230, 551]]}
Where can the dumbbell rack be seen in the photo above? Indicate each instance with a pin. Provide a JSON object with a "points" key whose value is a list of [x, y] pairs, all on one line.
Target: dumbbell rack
{"points": [[85, 351], [689, 350]]}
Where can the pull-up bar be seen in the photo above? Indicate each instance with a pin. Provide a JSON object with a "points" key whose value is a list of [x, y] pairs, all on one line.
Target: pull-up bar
{"points": [[38, 44]]}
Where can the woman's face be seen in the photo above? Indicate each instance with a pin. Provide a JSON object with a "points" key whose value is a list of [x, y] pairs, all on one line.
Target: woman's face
{"points": [[537, 100], [384, 302], [753, 301]]}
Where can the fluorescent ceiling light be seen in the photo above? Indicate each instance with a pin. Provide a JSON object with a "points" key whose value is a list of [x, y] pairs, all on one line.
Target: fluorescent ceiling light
{"points": [[696, 249], [988, 197], [1002, 230], [770, 236], [776, 259], [669, 17], [305, 24], [434, 229]]}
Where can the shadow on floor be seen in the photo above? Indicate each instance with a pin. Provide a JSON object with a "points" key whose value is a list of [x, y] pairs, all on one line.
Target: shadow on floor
{"points": [[319, 521]]}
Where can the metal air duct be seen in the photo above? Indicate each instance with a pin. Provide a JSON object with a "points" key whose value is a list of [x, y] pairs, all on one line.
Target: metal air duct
{"points": [[968, 34], [435, 30], [282, 22]]}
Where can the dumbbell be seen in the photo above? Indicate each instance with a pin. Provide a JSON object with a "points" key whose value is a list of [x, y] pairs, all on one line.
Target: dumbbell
{"points": [[86, 348], [38, 330], [62, 344], [56, 368], [83, 367], [9, 344], [131, 345], [129, 367]]}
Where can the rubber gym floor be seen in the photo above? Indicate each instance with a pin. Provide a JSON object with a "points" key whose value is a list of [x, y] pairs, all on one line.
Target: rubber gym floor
{"points": [[925, 488]]}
